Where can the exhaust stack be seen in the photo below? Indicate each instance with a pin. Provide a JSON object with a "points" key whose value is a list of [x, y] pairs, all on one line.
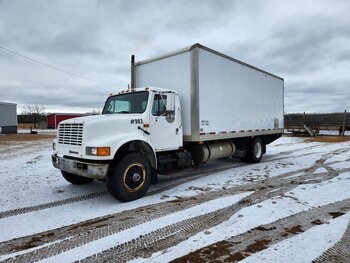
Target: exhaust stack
{"points": [[133, 86]]}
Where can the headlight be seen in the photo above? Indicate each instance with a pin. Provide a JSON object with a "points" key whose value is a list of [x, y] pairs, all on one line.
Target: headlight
{"points": [[98, 151], [54, 146]]}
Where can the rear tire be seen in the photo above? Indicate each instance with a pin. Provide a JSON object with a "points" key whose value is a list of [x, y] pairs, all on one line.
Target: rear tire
{"points": [[131, 178], [255, 151], [76, 179]]}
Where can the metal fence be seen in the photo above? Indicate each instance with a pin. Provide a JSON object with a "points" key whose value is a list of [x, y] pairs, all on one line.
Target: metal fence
{"points": [[318, 121]]}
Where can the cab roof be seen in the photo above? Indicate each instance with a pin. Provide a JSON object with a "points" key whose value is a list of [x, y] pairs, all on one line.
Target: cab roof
{"points": [[153, 89]]}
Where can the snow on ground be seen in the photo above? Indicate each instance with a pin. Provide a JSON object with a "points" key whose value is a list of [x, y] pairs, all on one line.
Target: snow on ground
{"points": [[306, 246], [327, 192], [303, 199], [29, 179], [129, 234], [243, 221], [330, 132], [40, 131], [325, 132]]}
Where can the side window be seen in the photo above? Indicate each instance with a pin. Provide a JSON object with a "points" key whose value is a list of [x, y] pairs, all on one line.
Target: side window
{"points": [[159, 105]]}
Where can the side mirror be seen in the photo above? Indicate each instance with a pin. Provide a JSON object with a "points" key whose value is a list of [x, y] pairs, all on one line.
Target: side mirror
{"points": [[170, 107]]}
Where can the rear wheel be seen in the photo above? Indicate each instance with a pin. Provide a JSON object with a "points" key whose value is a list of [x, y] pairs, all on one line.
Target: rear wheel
{"points": [[76, 179], [131, 178], [255, 151]]}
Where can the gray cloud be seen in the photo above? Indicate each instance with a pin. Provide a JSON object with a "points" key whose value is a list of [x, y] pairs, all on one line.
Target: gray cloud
{"points": [[306, 43], [298, 49]]}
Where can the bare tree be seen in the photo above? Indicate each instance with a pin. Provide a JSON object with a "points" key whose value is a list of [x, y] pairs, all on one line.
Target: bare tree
{"points": [[94, 112], [36, 113]]}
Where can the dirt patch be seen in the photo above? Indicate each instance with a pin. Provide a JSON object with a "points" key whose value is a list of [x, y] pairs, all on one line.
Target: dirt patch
{"points": [[329, 139], [235, 257], [258, 245], [217, 250], [222, 250], [93, 222], [262, 228], [203, 189], [295, 229], [25, 137], [336, 214], [246, 201], [177, 201], [182, 200], [317, 222], [33, 242]]}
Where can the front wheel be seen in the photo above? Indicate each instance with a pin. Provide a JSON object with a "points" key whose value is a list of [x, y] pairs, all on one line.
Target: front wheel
{"points": [[131, 178], [76, 179]]}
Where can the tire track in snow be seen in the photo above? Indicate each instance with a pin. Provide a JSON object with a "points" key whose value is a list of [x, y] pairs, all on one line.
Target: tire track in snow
{"points": [[88, 231], [188, 228], [242, 246], [29, 209], [182, 203], [172, 181], [161, 239], [338, 253], [168, 184]]}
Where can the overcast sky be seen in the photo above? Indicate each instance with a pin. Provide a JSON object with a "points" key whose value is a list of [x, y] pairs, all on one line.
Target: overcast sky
{"points": [[305, 42]]}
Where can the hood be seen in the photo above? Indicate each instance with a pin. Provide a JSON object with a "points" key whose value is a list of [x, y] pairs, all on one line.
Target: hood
{"points": [[108, 125], [83, 119]]}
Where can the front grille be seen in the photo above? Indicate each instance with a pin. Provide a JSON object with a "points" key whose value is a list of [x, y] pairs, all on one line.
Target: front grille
{"points": [[70, 133]]}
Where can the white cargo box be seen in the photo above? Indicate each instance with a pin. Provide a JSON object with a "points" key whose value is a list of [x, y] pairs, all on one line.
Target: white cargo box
{"points": [[221, 97]]}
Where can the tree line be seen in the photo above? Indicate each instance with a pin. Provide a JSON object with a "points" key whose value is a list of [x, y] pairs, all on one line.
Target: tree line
{"points": [[35, 114]]}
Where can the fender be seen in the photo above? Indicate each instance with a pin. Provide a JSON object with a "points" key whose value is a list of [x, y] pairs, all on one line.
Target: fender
{"points": [[117, 141]]}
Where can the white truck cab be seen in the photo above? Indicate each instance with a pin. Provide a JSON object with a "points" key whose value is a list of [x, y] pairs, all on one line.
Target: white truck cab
{"points": [[144, 120], [214, 106]]}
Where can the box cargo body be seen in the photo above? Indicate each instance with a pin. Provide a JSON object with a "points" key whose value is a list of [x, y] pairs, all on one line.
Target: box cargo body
{"points": [[221, 97]]}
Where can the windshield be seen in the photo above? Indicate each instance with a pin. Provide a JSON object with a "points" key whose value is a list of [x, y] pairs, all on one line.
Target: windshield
{"points": [[135, 102]]}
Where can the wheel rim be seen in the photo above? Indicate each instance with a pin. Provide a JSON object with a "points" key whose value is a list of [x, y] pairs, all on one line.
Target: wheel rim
{"points": [[134, 177], [257, 150]]}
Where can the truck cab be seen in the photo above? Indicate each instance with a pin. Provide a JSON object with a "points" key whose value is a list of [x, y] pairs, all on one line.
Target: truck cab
{"points": [[120, 145]]}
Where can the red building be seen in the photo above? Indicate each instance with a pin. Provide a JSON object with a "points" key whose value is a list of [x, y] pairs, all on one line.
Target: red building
{"points": [[55, 118]]}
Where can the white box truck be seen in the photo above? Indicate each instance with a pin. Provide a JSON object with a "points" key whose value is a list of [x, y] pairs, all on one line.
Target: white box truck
{"points": [[182, 109]]}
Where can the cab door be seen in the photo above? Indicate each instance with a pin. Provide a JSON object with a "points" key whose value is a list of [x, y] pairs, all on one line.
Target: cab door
{"points": [[165, 122]]}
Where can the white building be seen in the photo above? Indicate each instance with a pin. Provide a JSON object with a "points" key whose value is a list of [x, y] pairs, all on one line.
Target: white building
{"points": [[8, 117]]}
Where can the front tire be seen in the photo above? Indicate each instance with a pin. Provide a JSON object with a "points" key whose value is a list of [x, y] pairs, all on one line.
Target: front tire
{"points": [[76, 179], [131, 178]]}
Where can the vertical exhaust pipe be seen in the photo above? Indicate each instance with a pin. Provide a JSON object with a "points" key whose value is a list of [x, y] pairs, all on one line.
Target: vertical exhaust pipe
{"points": [[133, 84]]}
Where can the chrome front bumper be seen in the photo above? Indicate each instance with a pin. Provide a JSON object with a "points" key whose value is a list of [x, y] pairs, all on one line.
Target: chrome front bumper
{"points": [[90, 170]]}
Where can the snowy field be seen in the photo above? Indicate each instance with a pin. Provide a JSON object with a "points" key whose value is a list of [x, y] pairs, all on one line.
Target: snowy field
{"points": [[294, 206]]}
